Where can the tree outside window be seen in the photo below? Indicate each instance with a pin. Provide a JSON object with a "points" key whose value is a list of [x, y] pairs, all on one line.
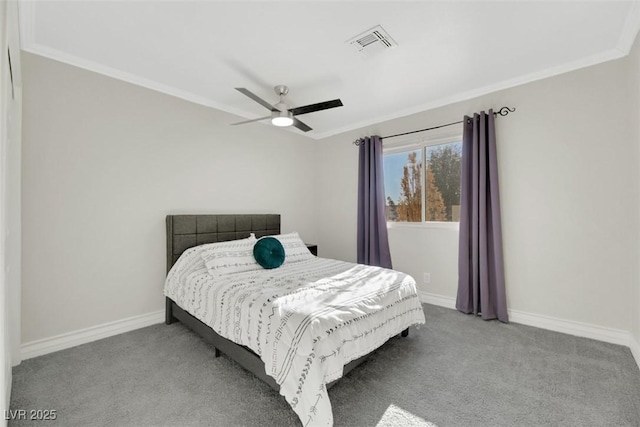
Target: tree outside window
{"points": [[409, 184]]}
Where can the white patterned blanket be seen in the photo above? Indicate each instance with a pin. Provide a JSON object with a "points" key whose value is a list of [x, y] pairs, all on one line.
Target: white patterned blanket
{"points": [[305, 320]]}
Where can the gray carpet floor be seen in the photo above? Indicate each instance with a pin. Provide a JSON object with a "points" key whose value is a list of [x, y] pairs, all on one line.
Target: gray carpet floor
{"points": [[456, 370]]}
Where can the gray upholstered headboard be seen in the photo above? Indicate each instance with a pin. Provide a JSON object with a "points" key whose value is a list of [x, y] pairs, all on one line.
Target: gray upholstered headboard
{"points": [[186, 231]]}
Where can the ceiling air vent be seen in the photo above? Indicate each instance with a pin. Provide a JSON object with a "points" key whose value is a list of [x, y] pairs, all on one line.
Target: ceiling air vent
{"points": [[372, 41]]}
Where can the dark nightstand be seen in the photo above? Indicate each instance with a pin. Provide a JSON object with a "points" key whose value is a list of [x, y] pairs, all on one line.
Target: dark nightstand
{"points": [[312, 248]]}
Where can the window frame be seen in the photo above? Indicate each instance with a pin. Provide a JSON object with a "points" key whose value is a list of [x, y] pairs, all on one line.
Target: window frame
{"points": [[412, 143]]}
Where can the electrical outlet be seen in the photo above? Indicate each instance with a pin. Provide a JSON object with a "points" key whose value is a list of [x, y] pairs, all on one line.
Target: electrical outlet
{"points": [[427, 277]]}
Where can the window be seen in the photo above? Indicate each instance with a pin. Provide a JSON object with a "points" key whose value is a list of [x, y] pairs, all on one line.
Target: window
{"points": [[423, 183]]}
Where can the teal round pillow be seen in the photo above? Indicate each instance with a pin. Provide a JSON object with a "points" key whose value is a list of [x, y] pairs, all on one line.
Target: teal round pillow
{"points": [[269, 252]]}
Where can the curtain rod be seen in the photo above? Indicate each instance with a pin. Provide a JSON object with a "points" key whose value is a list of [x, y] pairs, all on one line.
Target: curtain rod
{"points": [[501, 112]]}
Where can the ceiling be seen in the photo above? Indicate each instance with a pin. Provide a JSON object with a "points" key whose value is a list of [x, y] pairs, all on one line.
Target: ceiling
{"points": [[447, 51]]}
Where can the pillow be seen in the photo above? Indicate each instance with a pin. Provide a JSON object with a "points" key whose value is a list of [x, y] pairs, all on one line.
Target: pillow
{"points": [[208, 248], [269, 252], [294, 248], [191, 261], [234, 256]]}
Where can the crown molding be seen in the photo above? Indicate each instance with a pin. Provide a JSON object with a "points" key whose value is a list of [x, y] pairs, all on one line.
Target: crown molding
{"points": [[26, 21], [135, 79], [599, 58], [625, 42], [629, 29]]}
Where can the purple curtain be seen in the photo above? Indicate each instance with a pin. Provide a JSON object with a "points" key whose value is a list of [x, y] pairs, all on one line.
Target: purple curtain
{"points": [[373, 242], [481, 288]]}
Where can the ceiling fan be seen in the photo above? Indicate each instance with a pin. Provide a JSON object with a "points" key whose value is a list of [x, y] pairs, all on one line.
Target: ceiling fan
{"points": [[281, 113]]}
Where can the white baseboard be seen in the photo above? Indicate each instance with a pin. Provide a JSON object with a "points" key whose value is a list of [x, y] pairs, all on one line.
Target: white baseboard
{"points": [[83, 336], [439, 300], [580, 329]]}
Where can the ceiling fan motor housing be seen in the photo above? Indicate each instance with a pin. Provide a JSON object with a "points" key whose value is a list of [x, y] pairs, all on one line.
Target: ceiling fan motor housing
{"points": [[282, 106]]}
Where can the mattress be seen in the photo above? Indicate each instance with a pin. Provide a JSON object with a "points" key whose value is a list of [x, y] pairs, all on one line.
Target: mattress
{"points": [[305, 320]]}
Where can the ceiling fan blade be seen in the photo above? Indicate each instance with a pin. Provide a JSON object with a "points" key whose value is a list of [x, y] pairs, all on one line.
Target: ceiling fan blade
{"points": [[316, 107], [249, 121], [303, 127], [256, 98]]}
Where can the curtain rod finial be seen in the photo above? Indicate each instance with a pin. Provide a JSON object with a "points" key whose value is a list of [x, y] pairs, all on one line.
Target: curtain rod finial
{"points": [[505, 110], [358, 142]]}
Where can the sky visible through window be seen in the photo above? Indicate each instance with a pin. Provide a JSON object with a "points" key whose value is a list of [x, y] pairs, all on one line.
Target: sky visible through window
{"points": [[393, 169], [423, 183]]}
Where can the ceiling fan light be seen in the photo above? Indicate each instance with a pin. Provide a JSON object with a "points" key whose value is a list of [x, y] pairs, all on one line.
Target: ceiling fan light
{"points": [[282, 121], [281, 118]]}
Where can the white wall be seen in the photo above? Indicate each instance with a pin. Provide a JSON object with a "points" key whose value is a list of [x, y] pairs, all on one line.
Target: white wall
{"points": [[14, 188], [569, 188], [5, 354], [634, 121], [105, 161], [10, 238]]}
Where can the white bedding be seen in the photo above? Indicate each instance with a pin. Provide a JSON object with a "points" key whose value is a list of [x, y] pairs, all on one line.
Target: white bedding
{"points": [[305, 319]]}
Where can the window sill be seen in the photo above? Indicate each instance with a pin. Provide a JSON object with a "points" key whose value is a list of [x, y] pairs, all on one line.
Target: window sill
{"points": [[427, 225]]}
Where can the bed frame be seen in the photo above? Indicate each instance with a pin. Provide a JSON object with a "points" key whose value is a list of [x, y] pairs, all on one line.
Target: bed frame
{"points": [[186, 231]]}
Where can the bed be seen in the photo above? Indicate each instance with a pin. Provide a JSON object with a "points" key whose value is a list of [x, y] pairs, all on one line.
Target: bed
{"points": [[188, 231]]}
